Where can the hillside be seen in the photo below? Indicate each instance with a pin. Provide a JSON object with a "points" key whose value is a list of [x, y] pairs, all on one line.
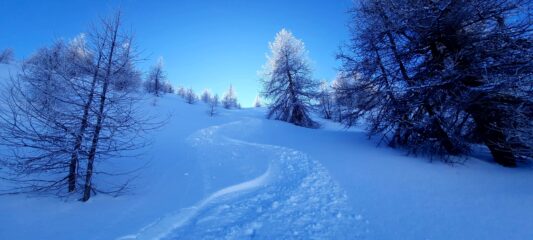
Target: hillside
{"points": [[238, 175]]}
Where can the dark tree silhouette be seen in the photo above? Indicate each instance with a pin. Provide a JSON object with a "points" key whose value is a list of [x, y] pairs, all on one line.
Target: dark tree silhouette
{"points": [[436, 76]]}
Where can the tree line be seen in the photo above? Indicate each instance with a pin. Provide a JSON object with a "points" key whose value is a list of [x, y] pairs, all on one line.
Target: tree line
{"points": [[157, 85]]}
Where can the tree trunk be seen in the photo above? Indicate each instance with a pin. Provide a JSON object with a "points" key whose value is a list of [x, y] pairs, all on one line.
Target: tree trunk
{"points": [[294, 108], [494, 138], [74, 161], [99, 119], [96, 138], [157, 83]]}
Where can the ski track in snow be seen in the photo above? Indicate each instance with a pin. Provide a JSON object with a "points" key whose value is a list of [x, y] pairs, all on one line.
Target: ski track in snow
{"points": [[295, 198]]}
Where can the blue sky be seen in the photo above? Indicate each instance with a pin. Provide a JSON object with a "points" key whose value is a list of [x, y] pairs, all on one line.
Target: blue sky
{"points": [[204, 44]]}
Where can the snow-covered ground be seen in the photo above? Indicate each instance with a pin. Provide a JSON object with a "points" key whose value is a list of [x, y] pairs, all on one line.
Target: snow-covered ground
{"points": [[240, 176]]}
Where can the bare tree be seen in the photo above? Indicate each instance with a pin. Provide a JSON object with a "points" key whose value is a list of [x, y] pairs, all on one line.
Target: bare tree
{"points": [[206, 96], [213, 104], [190, 96], [343, 101], [62, 115], [39, 116], [94, 68], [230, 99], [436, 76], [325, 101], [156, 82], [117, 120]]}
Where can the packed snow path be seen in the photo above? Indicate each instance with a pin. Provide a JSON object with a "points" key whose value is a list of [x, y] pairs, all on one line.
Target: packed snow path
{"points": [[294, 198]]}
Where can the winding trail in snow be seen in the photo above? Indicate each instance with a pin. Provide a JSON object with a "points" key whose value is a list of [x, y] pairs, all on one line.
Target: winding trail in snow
{"points": [[294, 198]]}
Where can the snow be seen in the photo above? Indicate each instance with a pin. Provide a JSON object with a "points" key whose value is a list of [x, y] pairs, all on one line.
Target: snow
{"points": [[238, 175]]}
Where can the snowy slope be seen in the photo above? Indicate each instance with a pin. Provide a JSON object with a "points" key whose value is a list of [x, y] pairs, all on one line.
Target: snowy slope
{"points": [[240, 176]]}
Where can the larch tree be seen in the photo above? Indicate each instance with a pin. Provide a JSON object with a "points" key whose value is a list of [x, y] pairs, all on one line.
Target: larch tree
{"points": [[40, 118], [62, 115], [181, 91], [156, 81], [287, 82], [117, 122], [190, 96], [342, 98], [436, 76], [325, 100], [257, 102], [213, 104], [230, 99], [206, 96]]}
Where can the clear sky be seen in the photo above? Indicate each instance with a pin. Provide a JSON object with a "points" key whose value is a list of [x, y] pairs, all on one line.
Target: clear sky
{"points": [[204, 43]]}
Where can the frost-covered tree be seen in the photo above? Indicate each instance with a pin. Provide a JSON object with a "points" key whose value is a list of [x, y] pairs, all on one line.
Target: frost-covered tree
{"points": [[41, 72], [39, 118], [325, 101], [7, 56], [128, 81], [116, 122], [58, 135], [343, 101], [156, 81], [230, 99], [182, 92], [287, 83], [257, 102], [206, 96], [190, 96], [436, 76], [213, 104]]}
